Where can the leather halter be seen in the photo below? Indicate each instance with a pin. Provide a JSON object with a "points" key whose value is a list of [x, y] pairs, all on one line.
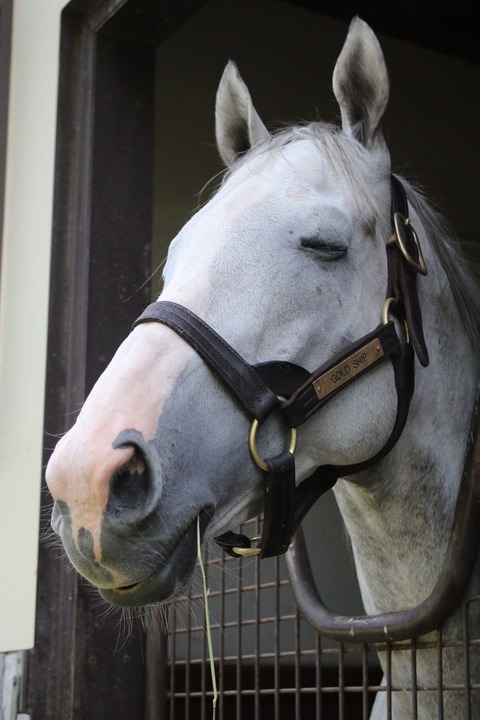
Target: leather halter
{"points": [[298, 394]]}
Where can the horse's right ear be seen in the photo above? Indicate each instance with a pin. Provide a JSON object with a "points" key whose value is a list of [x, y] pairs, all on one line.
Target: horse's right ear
{"points": [[237, 124]]}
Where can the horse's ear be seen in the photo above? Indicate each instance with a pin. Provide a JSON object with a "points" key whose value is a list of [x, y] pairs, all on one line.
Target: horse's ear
{"points": [[237, 124], [360, 83]]}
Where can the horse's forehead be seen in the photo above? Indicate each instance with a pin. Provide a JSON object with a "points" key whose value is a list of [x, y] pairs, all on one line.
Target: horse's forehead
{"points": [[289, 183], [302, 163], [288, 177], [295, 182]]}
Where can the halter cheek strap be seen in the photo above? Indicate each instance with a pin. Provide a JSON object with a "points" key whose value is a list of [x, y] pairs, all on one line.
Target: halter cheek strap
{"points": [[405, 262], [299, 394]]}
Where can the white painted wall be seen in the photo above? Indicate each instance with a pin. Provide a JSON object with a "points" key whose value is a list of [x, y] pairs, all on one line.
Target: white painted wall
{"points": [[24, 289]]}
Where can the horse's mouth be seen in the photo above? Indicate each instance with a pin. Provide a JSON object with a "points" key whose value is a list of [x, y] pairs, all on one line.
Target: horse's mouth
{"points": [[170, 578], [128, 590]]}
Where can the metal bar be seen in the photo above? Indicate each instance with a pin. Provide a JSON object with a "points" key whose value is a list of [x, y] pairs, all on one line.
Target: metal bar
{"points": [[298, 682], [239, 645], [365, 708], [188, 657], [203, 665], [466, 657], [341, 683], [276, 648], [221, 660], [414, 691], [257, 632], [326, 690], [388, 680], [173, 636], [155, 675], [318, 676], [440, 674]]}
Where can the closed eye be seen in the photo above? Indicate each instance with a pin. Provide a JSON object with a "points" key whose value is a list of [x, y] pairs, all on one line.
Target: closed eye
{"points": [[324, 249]]}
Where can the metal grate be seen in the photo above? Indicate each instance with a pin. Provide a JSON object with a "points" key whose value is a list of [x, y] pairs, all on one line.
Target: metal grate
{"points": [[271, 664]]}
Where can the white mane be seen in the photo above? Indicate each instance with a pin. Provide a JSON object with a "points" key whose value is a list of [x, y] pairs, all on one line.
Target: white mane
{"points": [[463, 282]]}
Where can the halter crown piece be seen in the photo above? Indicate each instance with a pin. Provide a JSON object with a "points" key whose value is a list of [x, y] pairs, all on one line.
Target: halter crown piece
{"points": [[298, 394]]}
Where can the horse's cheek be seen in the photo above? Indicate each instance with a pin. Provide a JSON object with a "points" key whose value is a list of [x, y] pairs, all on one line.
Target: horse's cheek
{"points": [[202, 444]]}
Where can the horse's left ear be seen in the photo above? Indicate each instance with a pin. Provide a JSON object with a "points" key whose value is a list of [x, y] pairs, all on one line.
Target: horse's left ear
{"points": [[360, 83], [237, 124]]}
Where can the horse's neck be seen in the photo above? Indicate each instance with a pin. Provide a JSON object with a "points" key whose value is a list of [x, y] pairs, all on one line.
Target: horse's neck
{"points": [[399, 513]]}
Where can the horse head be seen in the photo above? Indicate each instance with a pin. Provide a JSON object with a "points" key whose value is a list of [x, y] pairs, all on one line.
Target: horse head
{"points": [[286, 261]]}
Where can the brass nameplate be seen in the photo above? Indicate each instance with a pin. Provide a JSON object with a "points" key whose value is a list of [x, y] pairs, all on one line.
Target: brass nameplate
{"points": [[347, 369]]}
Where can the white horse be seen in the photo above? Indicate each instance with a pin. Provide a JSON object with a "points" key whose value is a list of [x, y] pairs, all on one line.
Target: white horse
{"points": [[287, 261]]}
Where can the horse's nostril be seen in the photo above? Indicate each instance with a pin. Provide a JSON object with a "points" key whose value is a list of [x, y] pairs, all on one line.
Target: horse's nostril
{"points": [[130, 485]]}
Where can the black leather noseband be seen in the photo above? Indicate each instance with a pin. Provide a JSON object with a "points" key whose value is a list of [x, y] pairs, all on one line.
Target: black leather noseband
{"points": [[297, 394]]}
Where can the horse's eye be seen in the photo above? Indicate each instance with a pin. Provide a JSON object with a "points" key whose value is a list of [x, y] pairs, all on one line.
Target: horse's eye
{"points": [[326, 250]]}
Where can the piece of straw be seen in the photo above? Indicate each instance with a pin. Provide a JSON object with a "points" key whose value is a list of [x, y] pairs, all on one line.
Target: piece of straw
{"points": [[207, 622]]}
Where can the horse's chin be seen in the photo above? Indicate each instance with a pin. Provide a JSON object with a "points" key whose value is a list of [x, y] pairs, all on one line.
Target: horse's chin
{"points": [[169, 579]]}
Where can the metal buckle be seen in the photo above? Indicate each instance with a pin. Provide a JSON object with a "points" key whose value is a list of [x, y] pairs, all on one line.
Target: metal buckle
{"points": [[252, 440], [398, 238]]}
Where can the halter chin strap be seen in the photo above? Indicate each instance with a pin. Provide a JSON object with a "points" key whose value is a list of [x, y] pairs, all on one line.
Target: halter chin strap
{"points": [[298, 394]]}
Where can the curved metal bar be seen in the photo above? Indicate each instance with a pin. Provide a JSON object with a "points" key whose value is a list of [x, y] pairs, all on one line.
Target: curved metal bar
{"points": [[450, 588]]}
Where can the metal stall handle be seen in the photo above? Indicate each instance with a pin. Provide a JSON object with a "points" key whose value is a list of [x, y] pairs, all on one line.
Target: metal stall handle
{"points": [[449, 590]]}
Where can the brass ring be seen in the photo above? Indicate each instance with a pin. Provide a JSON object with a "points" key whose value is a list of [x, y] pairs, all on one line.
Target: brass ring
{"points": [[398, 237], [252, 441], [386, 309], [385, 313]]}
